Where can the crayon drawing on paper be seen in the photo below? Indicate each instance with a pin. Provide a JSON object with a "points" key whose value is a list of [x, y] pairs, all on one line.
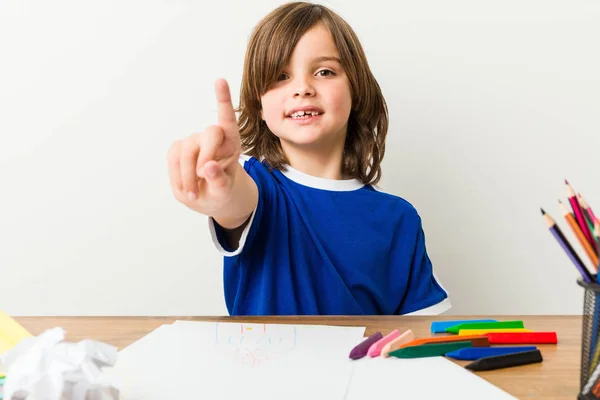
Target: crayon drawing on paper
{"points": [[255, 344]]}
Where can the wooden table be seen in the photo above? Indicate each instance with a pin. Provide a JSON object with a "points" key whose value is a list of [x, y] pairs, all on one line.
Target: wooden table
{"points": [[556, 378]]}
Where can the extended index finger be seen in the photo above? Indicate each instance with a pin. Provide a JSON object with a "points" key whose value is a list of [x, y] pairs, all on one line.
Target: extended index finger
{"points": [[226, 115]]}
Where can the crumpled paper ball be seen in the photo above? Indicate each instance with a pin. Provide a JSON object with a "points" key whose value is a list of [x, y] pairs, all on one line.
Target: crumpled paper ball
{"points": [[46, 367]]}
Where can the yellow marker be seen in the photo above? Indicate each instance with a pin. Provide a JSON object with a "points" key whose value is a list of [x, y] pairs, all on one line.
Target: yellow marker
{"points": [[468, 332], [11, 332]]}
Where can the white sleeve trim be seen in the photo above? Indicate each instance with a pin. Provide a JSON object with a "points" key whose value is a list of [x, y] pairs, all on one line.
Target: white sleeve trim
{"points": [[435, 309], [213, 234]]}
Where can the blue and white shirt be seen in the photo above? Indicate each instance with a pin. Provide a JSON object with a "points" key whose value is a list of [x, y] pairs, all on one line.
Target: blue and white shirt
{"points": [[317, 246]]}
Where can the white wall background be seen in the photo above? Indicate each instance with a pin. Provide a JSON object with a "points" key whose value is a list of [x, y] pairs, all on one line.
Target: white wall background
{"points": [[492, 104]]}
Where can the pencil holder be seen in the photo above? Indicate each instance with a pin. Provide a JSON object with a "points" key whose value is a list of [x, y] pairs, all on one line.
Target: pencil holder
{"points": [[590, 351]]}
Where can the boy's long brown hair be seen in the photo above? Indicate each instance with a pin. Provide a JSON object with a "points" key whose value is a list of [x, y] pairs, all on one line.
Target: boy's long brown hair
{"points": [[269, 50]]}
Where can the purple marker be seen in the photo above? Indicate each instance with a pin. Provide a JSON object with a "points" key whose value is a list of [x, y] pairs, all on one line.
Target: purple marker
{"points": [[362, 348]]}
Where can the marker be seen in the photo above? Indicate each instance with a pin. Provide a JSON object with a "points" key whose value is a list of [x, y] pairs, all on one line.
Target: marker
{"points": [[506, 360], [360, 350], [476, 340], [523, 338], [486, 325], [481, 352], [395, 344], [429, 350], [440, 326], [376, 347], [471, 332]]}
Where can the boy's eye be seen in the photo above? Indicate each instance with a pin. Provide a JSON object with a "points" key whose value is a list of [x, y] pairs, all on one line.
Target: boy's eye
{"points": [[325, 72]]}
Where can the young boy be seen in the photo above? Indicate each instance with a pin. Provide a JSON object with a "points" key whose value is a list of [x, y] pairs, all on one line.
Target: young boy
{"points": [[298, 220]]}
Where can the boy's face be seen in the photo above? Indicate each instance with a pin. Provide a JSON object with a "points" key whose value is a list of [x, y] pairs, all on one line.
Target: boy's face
{"points": [[313, 79]]}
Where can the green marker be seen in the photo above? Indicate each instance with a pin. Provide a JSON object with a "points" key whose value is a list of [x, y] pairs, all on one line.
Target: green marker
{"points": [[429, 350], [486, 325]]}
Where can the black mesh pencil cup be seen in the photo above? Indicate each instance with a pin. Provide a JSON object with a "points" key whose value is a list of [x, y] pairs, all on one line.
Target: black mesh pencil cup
{"points": [[590, 330]]}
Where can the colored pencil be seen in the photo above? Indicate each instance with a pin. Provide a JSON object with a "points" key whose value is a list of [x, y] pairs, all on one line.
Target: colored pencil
{"points": [[579, 215], [555, 230], [586, 207], [597, 233], [589, 251]]}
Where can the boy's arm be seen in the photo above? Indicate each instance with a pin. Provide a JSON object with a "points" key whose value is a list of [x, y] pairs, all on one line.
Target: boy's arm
{"points": [[243, 203], [424, 294], [205, 173], [240, 205]]}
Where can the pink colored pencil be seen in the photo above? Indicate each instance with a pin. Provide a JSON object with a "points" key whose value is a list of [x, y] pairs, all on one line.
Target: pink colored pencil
{"points": [[579, 216]]}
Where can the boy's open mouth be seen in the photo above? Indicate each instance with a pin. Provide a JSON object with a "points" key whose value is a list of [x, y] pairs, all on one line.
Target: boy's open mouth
{"points": [[304, 114]]}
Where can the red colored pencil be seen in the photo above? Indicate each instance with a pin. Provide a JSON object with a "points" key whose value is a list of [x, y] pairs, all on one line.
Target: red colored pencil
{"points": [[580, 217]]}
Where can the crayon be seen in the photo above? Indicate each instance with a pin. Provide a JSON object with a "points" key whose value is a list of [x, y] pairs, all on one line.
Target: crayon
{"points": [[476, 353], [523, 338], [395, 344], [486, 325], [506, 360], [429, 350], [375, 349], [360, 350], [440, 326]]}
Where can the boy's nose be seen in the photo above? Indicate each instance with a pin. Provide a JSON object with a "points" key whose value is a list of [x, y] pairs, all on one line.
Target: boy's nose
{"points": [[304, 90]]}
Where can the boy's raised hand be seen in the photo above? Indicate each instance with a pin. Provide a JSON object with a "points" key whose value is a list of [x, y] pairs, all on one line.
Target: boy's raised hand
{"points": [[203, 166]]}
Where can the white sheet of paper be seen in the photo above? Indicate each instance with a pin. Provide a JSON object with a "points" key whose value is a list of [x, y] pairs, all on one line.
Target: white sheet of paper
{"points": [[191, 359], [422, 378], [267, 361]]}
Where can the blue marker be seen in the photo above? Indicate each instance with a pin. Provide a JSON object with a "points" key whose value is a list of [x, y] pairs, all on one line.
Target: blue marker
{"points": [[441, 326], [475, 353]]}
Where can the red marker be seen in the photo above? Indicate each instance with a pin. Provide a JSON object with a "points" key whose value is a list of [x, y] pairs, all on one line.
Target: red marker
{"points": [[523, 338]]}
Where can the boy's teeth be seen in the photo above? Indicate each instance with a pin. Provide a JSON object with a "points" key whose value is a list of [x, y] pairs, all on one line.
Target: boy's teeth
{"points": [[300, 114]]}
